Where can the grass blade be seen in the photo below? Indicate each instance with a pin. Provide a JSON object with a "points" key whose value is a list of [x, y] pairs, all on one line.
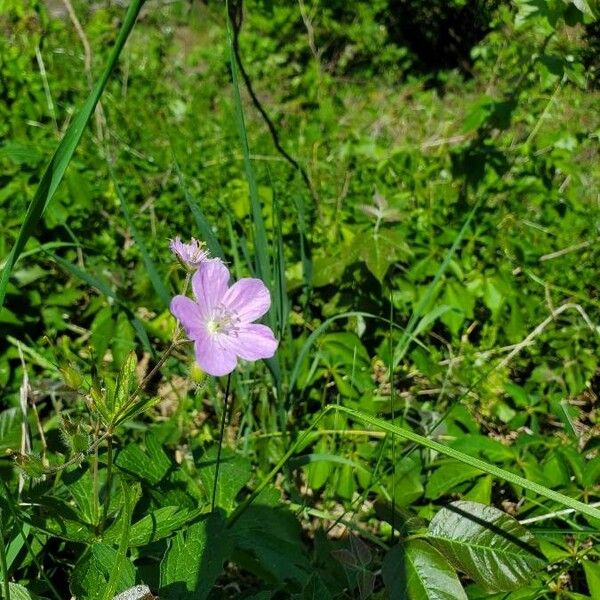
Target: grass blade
{"points": [[66, 148], [206, 233], [413, 322], [105, 289], [155, 279], [484, 466], [261, 247], [409, 435]]}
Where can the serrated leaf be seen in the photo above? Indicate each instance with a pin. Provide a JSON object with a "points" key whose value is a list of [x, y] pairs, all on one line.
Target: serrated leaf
{"points": [[194, 559], [93, 571], [154, 526], [274, 551], [487, 544], [150, 465], [126, 379], [417, 571], [19, 592], [234, 473]]}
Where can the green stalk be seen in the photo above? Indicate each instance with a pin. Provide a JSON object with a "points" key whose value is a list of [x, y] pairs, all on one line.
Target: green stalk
{"points": [[3, 567], [123, 543], [64, 153], [213, 501], [109, 463]]}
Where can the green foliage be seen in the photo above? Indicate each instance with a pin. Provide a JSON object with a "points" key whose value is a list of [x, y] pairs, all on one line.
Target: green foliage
{"points": [[428, 426]]}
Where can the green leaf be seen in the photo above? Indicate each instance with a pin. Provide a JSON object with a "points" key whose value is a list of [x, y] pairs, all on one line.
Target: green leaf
{"points": [[19, 592], [315, 589], [126, 381], [446, 477], [194, 559], [274, 552], [62, 157], [592, 576], [417, 571], [159, 524], [234, 473], [588, 7], [150, 465], [487, 544], [381, 250], [10, 429], [93, 571]]}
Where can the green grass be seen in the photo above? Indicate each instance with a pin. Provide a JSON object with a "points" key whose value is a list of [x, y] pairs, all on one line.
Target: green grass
{"points": [[433, 291]]}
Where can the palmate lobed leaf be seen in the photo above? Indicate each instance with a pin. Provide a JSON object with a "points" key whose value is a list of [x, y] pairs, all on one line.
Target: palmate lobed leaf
{"points": [[490, 546], [194, 559], [93, 572]]}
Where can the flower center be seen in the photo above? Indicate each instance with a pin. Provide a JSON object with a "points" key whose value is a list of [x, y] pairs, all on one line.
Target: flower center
{"points": [[222, 321]]}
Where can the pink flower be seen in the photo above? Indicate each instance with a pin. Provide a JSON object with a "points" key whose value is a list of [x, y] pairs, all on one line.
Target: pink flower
{"points": [[219, 321], [192, 254]]}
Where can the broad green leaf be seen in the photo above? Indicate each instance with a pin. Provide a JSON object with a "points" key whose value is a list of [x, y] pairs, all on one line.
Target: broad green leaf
{"points": [[151, 464], [20, 592], [314, 589], [589, 7], [62, 157], [159, 524], [487, 544], [93, 571], [443, 480], [234, 473], [126, 381], [381, 250], [592, 576], [274, 551], [156, 525], [417, 571], [194, 559], [79, 482]]}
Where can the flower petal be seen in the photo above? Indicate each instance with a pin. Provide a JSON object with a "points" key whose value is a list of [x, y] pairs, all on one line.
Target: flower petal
{"points": [[214, 357], [249, 298], [209, 283], [254, 341], [188, 312]]}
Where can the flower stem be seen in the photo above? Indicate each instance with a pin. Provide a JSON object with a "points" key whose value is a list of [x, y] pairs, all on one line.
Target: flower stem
{"points": [[3, 566], [109, 461], [221, 434]]}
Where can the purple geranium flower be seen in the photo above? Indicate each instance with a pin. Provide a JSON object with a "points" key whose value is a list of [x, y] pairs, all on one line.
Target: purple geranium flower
{"points": [[220, 320], [192, 254]]}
